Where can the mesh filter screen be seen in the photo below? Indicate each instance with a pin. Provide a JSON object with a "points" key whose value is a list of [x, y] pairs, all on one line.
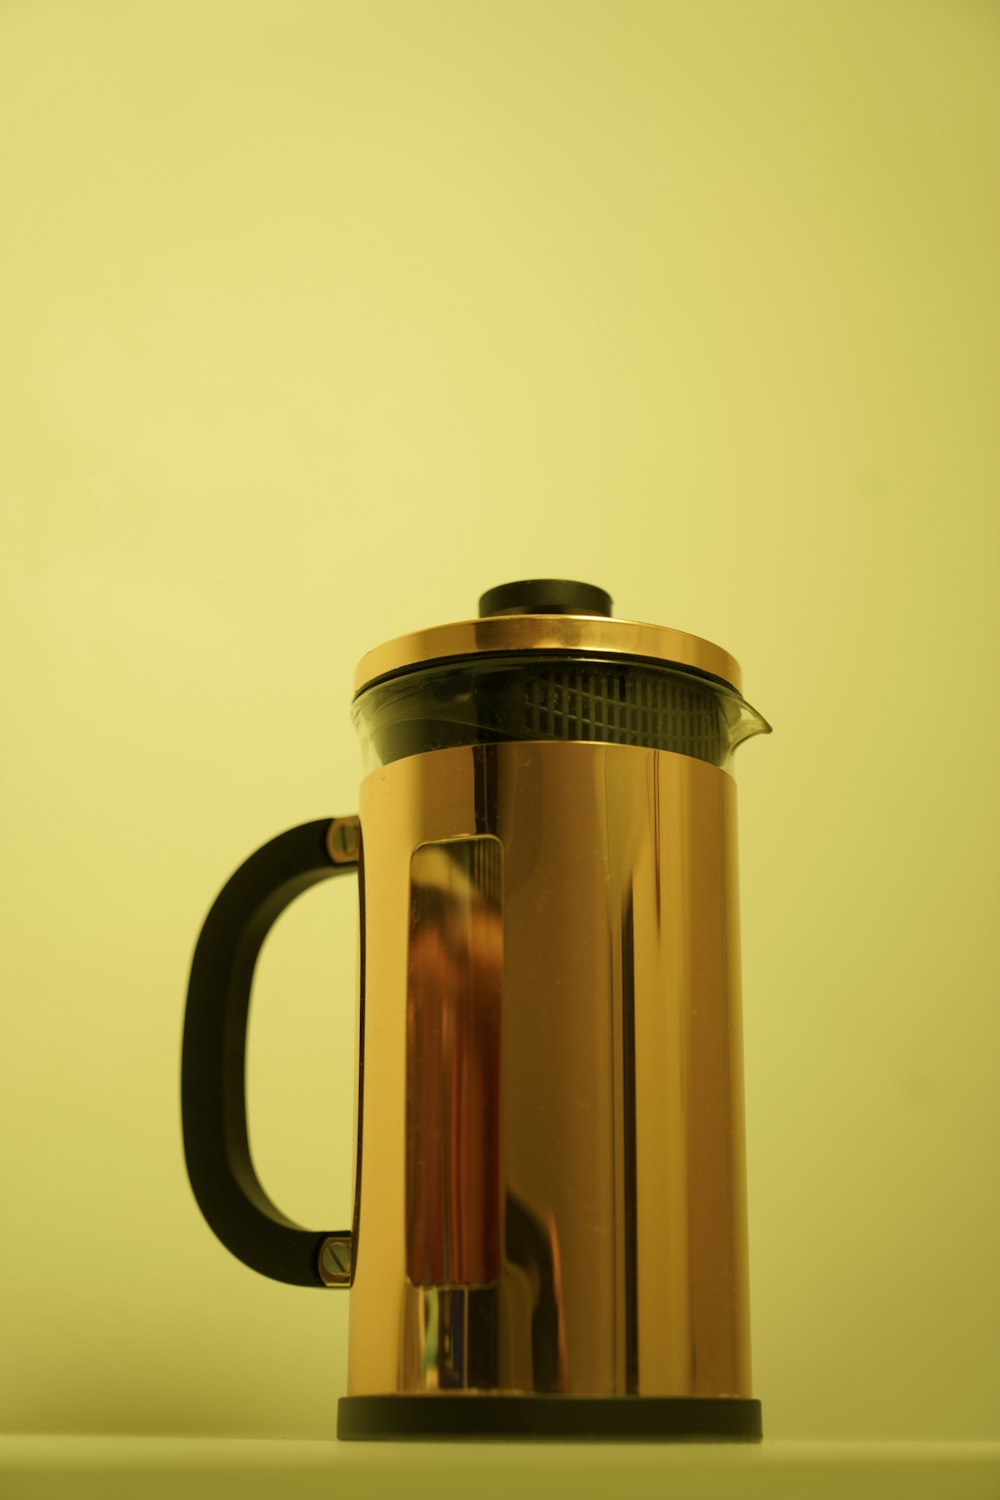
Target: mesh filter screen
{"points": [[551, 697]]}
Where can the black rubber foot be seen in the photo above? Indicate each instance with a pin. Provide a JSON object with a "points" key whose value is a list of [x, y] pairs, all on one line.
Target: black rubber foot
{"points": [[574, 1418]]}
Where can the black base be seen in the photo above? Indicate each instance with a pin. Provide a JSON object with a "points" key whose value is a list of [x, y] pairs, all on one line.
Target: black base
{"points": [[576, 1418]]}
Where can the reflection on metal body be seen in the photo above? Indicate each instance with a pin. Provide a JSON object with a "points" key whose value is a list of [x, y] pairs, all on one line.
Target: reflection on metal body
{"points": [[453, 1000], [568, 1142]]}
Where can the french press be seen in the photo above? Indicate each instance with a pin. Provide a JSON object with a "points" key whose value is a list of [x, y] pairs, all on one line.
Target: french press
{"points": [[549, 1228]]}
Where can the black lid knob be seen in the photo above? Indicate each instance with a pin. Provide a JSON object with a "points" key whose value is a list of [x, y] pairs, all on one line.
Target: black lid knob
{"points": [[545, 596]]}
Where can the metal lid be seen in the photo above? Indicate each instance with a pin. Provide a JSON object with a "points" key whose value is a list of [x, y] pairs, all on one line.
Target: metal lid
{"points": [[558, 615]]}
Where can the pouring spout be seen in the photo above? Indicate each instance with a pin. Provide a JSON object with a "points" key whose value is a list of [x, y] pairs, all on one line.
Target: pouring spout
{"points": [[742, 720]]}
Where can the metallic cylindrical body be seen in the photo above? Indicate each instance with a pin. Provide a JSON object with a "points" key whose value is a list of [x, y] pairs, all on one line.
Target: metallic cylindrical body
{"points": [[551, 1178]]}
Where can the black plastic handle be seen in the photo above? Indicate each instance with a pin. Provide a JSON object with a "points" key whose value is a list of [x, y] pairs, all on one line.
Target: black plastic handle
{"points": [[213, 1062]]}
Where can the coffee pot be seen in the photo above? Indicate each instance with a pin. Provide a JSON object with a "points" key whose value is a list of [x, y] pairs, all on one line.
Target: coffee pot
{"points": [[549, 1231]]}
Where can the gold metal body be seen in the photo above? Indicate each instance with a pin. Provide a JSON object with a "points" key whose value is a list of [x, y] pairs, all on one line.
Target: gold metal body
{"points": [[550, 1181]]}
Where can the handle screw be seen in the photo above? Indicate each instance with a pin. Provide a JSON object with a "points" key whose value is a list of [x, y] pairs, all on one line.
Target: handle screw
{"points": [[335, 1260], [343, 839]]}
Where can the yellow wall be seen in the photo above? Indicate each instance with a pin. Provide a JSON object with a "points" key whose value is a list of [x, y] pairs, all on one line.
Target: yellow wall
{"points": [[317, 320]]}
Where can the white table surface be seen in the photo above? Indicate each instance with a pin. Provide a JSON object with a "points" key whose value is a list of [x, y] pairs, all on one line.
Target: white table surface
{"points": [[45, 1467]]}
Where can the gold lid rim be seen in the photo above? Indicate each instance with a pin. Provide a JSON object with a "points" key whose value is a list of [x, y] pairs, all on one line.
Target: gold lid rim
{"points": [[589, 634]]}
